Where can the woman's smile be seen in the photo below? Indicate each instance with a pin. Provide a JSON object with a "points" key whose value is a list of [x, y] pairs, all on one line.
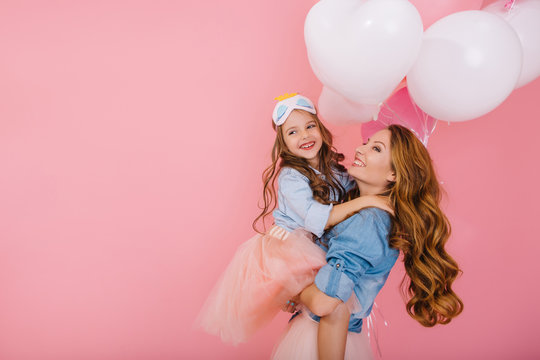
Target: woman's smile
{"points": [[358, 162]]}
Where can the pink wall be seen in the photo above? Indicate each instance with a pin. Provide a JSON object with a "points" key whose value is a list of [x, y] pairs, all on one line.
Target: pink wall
{"points": [[132, 139]]}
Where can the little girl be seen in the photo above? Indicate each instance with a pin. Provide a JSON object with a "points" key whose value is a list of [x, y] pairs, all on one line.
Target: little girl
{"points": [[271, 268]]}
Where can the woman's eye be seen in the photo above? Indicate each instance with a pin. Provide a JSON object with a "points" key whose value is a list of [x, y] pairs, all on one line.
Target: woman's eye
{"points": [[311, 126], [377, 149]]}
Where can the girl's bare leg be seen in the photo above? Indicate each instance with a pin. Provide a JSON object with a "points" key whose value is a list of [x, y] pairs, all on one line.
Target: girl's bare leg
{"points": [[332, 335]]}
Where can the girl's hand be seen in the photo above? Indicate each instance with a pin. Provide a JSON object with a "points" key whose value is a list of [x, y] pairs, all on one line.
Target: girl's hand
{"points": [[377, 201], [343, 211], [291, 305]]}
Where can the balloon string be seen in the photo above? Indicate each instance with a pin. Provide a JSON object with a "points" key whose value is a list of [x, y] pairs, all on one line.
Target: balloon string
{"points": [[396, 119], [427, 126], [509, 5], [388, 116], [372, 328]]}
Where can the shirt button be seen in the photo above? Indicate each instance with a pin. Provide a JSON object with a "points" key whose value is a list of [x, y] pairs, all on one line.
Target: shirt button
{"points": [[337, 266]]}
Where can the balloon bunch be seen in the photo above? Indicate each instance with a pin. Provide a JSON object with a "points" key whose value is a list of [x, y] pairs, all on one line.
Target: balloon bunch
{"points": [[368, 53]]}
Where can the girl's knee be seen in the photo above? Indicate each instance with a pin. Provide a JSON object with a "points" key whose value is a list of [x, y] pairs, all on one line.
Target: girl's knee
{"points": [[341, 312]]}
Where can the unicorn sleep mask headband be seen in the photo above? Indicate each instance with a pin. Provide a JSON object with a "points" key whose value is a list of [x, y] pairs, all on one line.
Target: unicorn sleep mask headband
{"points": [[289, 102]]}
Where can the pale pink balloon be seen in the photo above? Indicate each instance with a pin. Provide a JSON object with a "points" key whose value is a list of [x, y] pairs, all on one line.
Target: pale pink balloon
{"points": [[335, 108], [400, 109], [431, 10]]}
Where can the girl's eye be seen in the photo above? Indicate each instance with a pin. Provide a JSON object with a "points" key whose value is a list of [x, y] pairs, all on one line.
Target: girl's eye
{"points": [[292, 132], [311, 126], [376, 148]]}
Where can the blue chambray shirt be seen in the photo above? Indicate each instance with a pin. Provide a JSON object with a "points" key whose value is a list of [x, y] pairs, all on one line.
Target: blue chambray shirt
{"points": [[359, 259], [296, 207]]}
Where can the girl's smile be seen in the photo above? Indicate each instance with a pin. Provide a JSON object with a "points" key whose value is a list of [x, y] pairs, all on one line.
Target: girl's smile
{"points": [[308, 146], [302, 136]]}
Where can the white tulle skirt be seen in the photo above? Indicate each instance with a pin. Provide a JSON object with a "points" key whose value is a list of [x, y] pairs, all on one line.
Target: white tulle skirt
{"points": [[299, 341]]}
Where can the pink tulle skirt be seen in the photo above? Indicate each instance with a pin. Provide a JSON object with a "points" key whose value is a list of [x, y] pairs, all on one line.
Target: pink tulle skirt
{"points": [[264, 274], [299, 341]]}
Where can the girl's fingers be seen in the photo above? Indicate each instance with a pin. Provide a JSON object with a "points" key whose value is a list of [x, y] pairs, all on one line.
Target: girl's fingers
{"points": [[286, 307], [290, 306]]}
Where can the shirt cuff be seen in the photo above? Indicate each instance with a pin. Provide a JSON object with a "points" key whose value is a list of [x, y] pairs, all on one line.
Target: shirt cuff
{"points": [[317, 217], [332, 281]]}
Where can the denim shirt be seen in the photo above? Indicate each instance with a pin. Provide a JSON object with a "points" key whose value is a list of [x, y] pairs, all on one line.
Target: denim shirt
{"points": [[359, 259], [296, 207]]}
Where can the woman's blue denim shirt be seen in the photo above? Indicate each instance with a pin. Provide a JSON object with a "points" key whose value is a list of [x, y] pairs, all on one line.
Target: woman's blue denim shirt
{"points": [[359, 259], [296, 207]]}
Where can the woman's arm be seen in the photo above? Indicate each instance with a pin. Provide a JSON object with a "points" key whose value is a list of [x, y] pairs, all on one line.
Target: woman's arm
{"points": [[318, 302]]}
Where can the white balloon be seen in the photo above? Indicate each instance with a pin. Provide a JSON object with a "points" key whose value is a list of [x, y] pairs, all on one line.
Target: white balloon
{"points": [[469, 63], [362, 49], [337, 109], [524, 18]]}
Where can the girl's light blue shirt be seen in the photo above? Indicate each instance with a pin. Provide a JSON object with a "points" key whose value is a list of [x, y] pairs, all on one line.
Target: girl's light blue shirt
{"points": [[296, 207]]}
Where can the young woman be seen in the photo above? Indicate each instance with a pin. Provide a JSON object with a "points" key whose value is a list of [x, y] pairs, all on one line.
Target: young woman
{"points": [[363, 249]]}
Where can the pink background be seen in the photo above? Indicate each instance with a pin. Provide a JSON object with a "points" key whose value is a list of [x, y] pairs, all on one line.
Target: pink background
{"points": [[132, 140]]}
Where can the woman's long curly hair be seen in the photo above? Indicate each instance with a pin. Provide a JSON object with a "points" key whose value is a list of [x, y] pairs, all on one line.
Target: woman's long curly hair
{"points": [[322, 190], [420, 230]]}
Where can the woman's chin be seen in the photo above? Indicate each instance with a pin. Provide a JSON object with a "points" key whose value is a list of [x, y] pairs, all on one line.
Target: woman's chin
{"points": [[355, 172]]}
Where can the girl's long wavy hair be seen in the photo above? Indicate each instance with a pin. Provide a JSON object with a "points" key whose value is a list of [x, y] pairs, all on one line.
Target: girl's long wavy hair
{"points": [[420, 230], [322, 190]]}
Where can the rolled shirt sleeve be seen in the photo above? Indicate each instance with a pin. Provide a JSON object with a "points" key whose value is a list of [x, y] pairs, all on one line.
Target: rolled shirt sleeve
{"points": [[333, 282], [300, 204], [354, 246]]}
